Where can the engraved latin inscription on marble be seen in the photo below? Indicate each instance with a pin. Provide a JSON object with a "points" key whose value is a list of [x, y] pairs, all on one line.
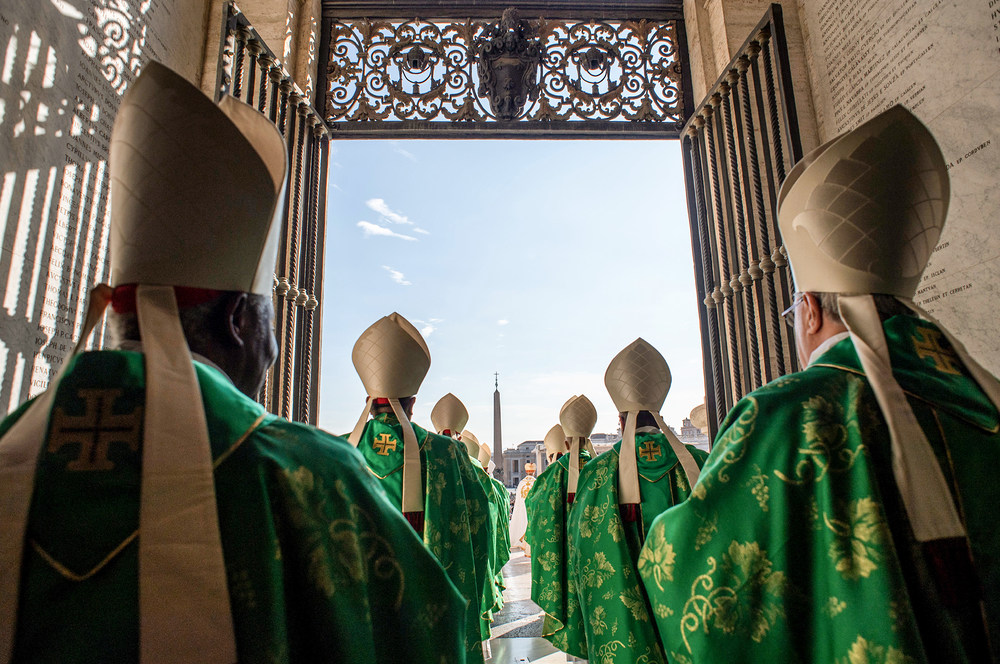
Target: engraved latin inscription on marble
{"points": [[65, 66], [941, 59]]}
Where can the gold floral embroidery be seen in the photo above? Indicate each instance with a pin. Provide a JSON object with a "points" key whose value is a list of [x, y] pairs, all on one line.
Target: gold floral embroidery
{"points": [[597, 622], [597, 570], [748, 599], [857, 548], [730, 448], [657, 557], [592, 515], [663, 611], [548, 560], [342, 551], [834, 607], [864, 652], [826, 433], [633, 600]]}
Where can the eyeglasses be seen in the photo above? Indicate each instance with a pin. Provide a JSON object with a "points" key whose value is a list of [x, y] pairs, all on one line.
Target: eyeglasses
{"points": [[789, 313]]}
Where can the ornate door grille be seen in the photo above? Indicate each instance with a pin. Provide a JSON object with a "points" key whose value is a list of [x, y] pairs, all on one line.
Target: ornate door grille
{"points": [[249, 71], [738, 147], [613, 77]]}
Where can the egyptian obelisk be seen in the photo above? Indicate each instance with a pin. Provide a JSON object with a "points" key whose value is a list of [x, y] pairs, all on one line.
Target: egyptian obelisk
{"points": [[497, 447]]}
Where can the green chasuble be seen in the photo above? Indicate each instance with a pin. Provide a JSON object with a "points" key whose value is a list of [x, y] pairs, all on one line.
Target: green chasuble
{"points": [[604, 549], [553, 588], [502, 498], [456, 510], [321, 566], [794, 546], [490, 600]]}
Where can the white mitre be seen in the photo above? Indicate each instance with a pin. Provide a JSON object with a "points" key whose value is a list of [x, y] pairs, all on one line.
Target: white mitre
{"points": [[578, 418], [638, 379], [485, 454], [861, 215], [699, 418], [449, 415], [471, 443], [555, 440], [196, 192], [392, 359]]}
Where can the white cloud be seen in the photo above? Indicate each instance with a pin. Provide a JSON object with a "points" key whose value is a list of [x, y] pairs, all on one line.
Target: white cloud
{"points": [[422, 231], [406, 153], [397, 276], [502, 321], [387, 213], [371, 229], [428, 325]]}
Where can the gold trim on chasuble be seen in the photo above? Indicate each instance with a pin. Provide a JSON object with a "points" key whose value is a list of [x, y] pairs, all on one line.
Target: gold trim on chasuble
{"points": [[995, 429], [73, 576]]}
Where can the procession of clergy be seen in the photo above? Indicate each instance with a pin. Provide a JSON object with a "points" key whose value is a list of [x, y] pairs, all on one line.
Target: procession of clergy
{"points": [[153, 512]]}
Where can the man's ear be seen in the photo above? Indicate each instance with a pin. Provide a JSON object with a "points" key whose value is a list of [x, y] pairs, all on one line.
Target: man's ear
{"points": [[236, 312], [813, 321]]}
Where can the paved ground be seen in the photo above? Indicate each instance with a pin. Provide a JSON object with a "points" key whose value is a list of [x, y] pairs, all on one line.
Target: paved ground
{"points": [[517, 629]]}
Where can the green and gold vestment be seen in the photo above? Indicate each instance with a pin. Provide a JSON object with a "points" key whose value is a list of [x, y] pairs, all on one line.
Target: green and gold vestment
{"points": [[321, 567], [794, 545], [553, 588], [456, 510], [604, 549]]}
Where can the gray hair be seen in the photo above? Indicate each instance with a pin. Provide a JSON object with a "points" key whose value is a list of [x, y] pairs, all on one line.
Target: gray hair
{"points": [[886, 305]]}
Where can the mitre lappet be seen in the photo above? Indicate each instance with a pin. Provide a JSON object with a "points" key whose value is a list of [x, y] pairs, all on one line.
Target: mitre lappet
{"points": [[196, 200], [860, 215], [392, 359], [449, 416], [577, 418], [638, 379]]}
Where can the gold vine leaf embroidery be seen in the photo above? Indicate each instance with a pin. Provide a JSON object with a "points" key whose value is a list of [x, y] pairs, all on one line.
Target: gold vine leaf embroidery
{"points": [[826, 449], [730, 448], [548, 560], [706, 531], [598, 624], [744, 595], [834, 607], [858, 539], [863, 651], [592, 515], [634, 601], [657, 558], [597, 570], [759, 489]]}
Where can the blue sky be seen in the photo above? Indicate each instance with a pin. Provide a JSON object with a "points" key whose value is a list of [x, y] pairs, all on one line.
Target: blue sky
{"points": [[539, 260]]}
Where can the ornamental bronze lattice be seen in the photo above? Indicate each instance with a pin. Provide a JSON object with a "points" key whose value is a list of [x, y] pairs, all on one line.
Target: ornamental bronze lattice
{"points": [[619, 76]]}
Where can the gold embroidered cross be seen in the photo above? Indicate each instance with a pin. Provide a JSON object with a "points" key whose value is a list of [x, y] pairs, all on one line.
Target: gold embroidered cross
{"points": [[649, 450], [95, 430], [929, 345], [382, 444]]}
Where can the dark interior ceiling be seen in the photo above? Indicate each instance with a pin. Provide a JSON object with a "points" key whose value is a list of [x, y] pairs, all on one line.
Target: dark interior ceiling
{"points": [[576, 9]]}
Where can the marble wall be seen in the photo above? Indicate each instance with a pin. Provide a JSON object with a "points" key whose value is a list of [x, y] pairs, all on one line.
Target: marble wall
{"points": [[851, 59], [65, 66]]}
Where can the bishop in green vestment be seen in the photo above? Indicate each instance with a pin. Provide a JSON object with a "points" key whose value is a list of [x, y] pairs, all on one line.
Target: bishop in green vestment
{"points": [[429, 476], [152, 511], [500, 498], [553, 586], [608, 524], [321, 566], [847, 512]]}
